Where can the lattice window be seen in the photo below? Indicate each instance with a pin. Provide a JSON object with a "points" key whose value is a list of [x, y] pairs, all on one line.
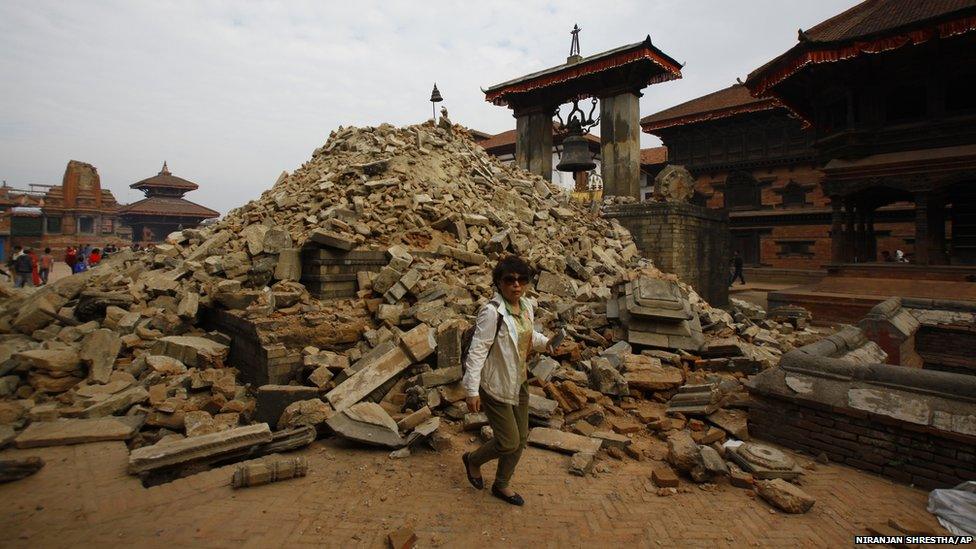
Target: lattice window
{"points": [[795, 248], [86, 225], [742, 192], [794, 195], [53, 225]]}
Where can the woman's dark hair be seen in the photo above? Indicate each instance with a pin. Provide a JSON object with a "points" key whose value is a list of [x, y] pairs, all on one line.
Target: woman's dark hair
{"points": [[510, 264]]}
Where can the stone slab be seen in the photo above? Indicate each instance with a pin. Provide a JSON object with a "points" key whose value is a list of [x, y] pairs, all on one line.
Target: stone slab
{"points": [[200, 448], [78, 431], [566, 443], [367, 379]]}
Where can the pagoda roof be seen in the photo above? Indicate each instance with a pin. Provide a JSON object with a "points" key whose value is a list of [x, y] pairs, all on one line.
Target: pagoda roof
{"points": [[165, 180], [557, 79], [871, 27], [723, 103], [167, 206], [653, 155]]}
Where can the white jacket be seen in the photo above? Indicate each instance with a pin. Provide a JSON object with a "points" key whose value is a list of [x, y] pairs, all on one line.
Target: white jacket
{"points": [[497, 371]]}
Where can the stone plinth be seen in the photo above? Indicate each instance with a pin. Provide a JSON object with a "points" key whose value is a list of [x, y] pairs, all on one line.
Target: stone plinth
{"points": [[914, 425], [687, 240]]}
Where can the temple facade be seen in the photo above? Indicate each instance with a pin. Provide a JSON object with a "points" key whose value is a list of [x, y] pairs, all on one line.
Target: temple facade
{"points": [[889, 96], [78, 212], [164, 209], [753, 158]]}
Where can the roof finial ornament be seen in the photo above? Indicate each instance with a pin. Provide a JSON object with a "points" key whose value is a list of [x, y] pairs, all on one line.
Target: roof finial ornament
{"points": [[165, 170], [739, 80], [802, 36], [574, 48]]}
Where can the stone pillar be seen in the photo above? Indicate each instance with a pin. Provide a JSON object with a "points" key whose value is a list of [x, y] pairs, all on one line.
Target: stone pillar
{"points": [[862, 241], [870, 238], [937, 219], [849, 232], [533, 141], [922, 236], [620, 144], [837, 231]]}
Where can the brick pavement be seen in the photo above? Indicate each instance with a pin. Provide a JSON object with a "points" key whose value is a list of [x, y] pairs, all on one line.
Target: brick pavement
{"points": [[354, 497]]}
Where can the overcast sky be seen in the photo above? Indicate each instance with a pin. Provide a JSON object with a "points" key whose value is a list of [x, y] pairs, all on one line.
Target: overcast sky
{"points": [[232, 93]]}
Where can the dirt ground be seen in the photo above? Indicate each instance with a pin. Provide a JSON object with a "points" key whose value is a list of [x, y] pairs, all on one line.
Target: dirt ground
{"points": [[353, 497]]}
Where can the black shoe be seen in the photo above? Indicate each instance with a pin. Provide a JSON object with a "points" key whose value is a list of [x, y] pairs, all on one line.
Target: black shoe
{"points": [[478, 483], [513, 499]]}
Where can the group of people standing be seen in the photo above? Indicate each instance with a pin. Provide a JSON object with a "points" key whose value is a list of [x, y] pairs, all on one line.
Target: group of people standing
{"points": [[80, 258], [27, 268]]}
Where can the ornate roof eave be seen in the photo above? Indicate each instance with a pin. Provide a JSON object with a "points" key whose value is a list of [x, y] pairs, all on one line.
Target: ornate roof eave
{"points": [[763, 81], [631, 53], [765, 105]]}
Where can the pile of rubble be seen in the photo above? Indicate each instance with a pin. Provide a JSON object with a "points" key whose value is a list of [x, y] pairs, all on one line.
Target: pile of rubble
{"points": [[124, 351]]}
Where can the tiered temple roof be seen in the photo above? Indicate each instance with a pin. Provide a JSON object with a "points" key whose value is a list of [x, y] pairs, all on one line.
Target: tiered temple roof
{"points": [[164, 198], [871, 27]]}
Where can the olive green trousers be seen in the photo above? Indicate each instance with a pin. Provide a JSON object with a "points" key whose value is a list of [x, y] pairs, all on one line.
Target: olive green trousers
{"points": [[510, 425]]}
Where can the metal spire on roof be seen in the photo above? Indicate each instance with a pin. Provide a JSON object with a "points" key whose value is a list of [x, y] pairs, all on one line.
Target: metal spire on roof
{"points": [[165, 170], [574, 47]]}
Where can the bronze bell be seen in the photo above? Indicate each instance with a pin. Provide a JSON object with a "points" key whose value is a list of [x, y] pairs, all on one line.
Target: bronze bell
{"points": [[576, 155], [435, 95]]}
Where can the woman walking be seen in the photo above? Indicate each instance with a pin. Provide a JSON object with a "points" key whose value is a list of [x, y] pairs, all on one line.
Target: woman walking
{"points": [[495, 376]]}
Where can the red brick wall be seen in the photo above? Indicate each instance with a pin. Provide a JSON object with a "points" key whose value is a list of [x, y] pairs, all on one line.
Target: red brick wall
{"points": [[904, 452], [772, 232]]}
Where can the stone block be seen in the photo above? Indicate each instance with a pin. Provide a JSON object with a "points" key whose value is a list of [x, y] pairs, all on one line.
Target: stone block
{"points": [[367, 423], [194, 351], [332, 239], [581, 463], [463, 256], [372, 374], [99, 350], [664, 477], [289, 266], [449, 345], [419, 343], [567, 443], [273, 399], [440, 376], [785, 496]]}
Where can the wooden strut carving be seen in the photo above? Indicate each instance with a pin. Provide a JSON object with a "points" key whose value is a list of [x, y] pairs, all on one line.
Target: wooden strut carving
{"points": [[264, 472]]}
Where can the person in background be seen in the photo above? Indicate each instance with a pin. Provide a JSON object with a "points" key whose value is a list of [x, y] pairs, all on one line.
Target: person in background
{"points": [[23, 269], [80, 266], [70, 256], [35, 268], [737, 269], [46, 263], [94, 257], [20, 267]]}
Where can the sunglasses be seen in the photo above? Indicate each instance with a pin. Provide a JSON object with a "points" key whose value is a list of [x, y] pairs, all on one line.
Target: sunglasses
{"points": [[512, 279]]}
